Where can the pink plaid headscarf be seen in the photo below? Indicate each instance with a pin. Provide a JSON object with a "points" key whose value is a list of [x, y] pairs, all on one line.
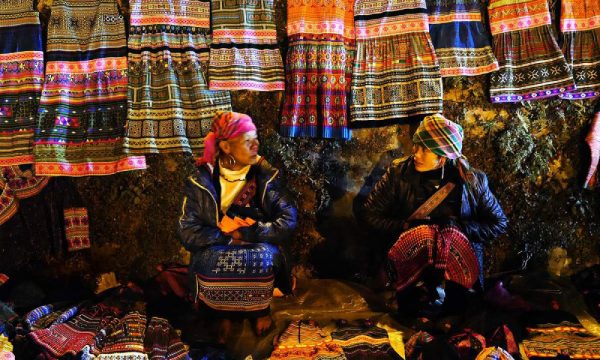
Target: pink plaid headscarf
{"points": [[225, 126]]}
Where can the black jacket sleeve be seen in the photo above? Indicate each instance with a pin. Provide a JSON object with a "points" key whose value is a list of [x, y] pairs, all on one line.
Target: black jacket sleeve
{"points": [[379, 212], [487, 219], [197, 226], [280, 218]]}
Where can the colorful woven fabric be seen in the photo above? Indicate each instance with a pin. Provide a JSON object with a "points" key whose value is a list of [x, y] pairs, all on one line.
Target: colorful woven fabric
{"points": [[467, 344], [124, 339], [304, 340], [170, 108], [46, 321], [72, 336], [460, 40], [396, 73], [440, 135], [360, 343], [580, 26], [83, 110], [21, 77], [77, 232], [494, 353], [163, 342], [34, 315], [572, 341], [236, 277], [415, 249], [532, 65], [66, 315], [17, 184], [225, 126], [244, 54], [318, 69], [414, 345]]}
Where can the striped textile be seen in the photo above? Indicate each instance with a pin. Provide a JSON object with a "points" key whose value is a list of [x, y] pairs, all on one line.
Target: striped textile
{"points": [[72, 336], [45, 321], [305, 340], [17, 184], [64, 316], [244, 54], [532, 65], [36, 314], [360, 343], [396, 73], [444, 248], [237, 278], [21, 77], [460, 40], [124, 339], [416, 343], [572, 341], [83, 110], [169, 106], [318, 69], [162, 342], [580, 26], [440, 135]]}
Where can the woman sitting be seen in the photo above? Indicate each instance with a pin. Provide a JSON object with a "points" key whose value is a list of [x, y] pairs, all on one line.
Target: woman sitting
{"points": [[235, 222], [437, 213]]}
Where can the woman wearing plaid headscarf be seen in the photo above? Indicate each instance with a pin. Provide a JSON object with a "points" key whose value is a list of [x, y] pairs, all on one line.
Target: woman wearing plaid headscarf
{"points": [[436, 213], [235, 220]]}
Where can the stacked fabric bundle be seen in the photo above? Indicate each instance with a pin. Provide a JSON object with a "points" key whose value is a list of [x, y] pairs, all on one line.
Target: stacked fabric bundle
{"points": [[305, 340], [364, 342], [566, 339]]}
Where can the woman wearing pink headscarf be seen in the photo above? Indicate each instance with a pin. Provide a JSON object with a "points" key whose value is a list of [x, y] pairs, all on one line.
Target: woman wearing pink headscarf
{"points": [[235, 221]]}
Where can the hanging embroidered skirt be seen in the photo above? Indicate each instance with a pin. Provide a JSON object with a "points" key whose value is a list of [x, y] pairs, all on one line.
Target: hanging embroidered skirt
{"points": [[237, 278], [532, 65], [318, 70], [460, 40], [170, 108], [396, 72], [21, 77], [244, 54], [445, 248], [83, 108], [580, 26]]}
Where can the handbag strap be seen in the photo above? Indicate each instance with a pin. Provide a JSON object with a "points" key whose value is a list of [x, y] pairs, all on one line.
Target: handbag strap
{"points": [[430, 204]]}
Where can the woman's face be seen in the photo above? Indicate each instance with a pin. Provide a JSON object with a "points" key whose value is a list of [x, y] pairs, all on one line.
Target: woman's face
{"points": [[244, 148], [426, 160]]}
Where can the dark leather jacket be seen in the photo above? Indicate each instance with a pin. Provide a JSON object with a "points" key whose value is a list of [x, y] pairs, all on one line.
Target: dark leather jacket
{"points": [[389, 203], [200, 210]]}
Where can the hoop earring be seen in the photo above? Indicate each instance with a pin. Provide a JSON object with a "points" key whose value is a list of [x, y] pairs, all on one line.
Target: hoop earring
{"points": [[443, 168], [231, 160]]}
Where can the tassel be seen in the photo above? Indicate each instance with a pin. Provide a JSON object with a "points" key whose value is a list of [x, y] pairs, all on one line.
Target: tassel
{"points": [[593, 141]]}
